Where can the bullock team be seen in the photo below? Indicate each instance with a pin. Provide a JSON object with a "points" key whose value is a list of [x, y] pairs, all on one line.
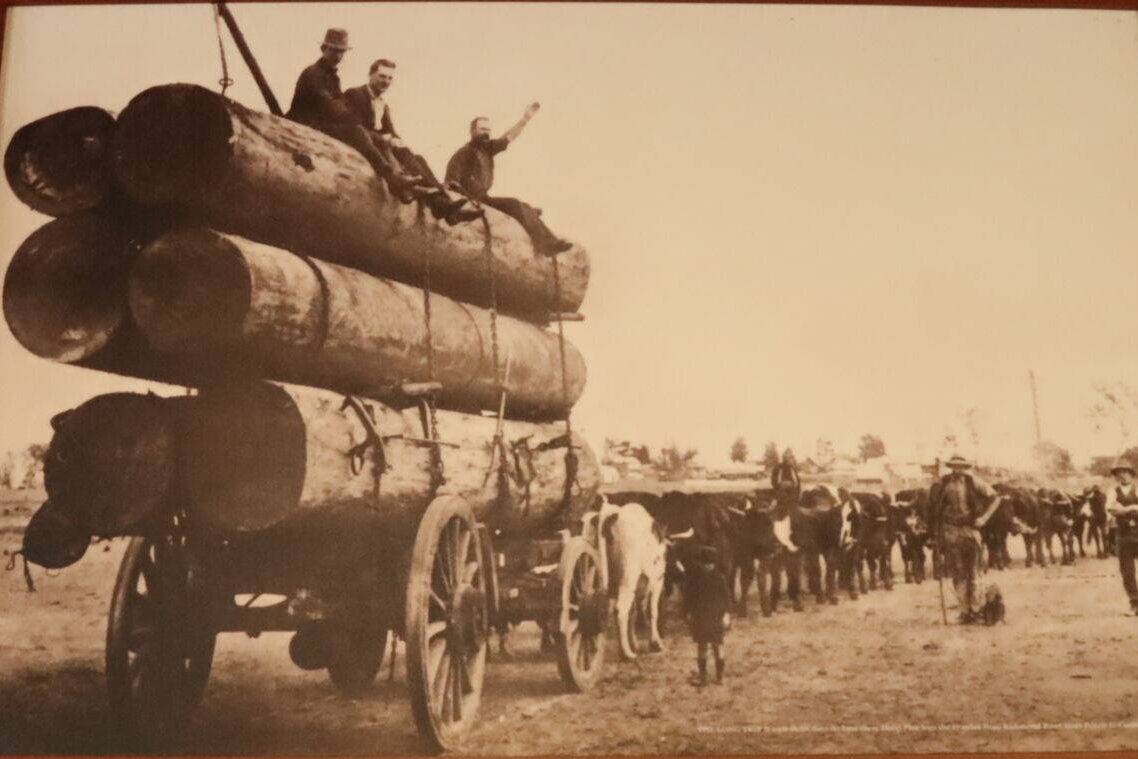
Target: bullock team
{"points": [[831, 540]]}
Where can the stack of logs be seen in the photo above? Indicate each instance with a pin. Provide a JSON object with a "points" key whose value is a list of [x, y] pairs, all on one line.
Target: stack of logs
{"points": [[200, 243]]}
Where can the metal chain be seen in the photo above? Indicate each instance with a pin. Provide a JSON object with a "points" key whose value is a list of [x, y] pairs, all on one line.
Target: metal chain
{"points": [[225, 82], [561, 344], [488, 249], [427, 314], [571, 461], [429, 420]]}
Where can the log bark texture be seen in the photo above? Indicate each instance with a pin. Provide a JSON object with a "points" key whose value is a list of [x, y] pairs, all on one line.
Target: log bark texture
{"points": [[248, 307], [258, 456], [65, 298], [269, 179], [60, 164], [249, 459]]}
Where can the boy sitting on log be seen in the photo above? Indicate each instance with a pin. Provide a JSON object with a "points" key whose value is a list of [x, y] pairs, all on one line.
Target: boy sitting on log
{"points": [[319, 103]]}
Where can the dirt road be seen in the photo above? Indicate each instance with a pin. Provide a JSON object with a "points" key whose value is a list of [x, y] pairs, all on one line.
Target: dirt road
{"points": [[879, 674]]}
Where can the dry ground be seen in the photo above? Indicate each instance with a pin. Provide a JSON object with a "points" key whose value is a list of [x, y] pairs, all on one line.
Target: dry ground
{"points": [[825, 680]]}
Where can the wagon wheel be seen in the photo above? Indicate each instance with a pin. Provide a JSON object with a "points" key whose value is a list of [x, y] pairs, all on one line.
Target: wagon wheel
{"points": [[356, 657], [159, 640], [446, 623], [584, 616]]}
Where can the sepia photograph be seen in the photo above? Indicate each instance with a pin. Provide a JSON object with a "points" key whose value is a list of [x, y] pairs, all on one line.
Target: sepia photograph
{"points": [[568, 379]]}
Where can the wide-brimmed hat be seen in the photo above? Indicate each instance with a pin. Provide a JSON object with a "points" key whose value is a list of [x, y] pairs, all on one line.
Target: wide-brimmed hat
{"points": [[958, 462], [1122, 465], [336, 38]]}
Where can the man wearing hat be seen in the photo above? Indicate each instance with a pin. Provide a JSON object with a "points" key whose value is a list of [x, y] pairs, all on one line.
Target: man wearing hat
{"points": [[960, 504], [318, 102], [1122, 504]]}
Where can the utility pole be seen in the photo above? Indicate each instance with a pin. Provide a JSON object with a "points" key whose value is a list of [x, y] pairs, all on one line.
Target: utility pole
{"points": [[1035, 407]]}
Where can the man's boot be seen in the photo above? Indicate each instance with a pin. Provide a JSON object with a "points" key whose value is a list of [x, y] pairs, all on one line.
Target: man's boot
{"points": [[719, 666]]}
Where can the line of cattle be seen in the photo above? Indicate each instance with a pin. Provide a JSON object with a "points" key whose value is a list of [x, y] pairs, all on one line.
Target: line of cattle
{"points": [[838, 540]]}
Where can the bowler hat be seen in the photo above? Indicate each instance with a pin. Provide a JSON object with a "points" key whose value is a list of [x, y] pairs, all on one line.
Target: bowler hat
{"points": [[1122, 465], [958, 462], [336, 38]]}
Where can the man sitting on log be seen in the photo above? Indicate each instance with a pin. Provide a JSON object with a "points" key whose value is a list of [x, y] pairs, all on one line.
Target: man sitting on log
{"points": [[471, 170], [371, 110], [318, 102]]}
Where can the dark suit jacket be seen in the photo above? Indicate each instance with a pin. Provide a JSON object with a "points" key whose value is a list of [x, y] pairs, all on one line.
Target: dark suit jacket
{"points": [[359, 102]]}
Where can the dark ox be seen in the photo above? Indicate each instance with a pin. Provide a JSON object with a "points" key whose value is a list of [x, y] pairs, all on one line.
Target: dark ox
{"points": [[878, 530], [1062, 525], [995, 533], [1090, 520], [1030, 519], [911, 509], [826, 526]]}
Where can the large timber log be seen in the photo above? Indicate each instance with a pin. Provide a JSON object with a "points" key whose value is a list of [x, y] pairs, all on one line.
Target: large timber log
{"points": [[247, 307], [249, 458], [65, 298], [278, 182], [60, 164]]}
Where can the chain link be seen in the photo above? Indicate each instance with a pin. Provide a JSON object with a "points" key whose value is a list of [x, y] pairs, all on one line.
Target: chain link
{"points": [[225, 82]]}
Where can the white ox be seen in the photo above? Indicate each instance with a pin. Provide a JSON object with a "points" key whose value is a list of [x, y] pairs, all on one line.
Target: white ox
{"points": [[637, 548]]}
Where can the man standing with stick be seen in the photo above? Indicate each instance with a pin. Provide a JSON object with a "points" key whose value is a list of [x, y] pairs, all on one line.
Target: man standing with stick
{"points": [[1122, 504], [961, 504]]}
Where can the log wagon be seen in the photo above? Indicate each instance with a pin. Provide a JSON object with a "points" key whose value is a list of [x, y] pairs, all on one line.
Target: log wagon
{"points": [[342, 470], [438, 538]]}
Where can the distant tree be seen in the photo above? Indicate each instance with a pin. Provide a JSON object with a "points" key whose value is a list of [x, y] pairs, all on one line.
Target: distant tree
{"points": [[1116, 404], [770, 456], [33, 461], [824, 454], [640, 453], [739, 450], [674, 464], [1053, 459], [8, 470], [871, 447], [969, 417]]}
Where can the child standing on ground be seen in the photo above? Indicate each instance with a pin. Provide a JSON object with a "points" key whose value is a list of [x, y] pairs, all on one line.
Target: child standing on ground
{"points": [[707, 605]]}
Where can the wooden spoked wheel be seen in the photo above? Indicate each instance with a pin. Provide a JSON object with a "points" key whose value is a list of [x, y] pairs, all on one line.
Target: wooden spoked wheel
{"points": [[446, 623], [584, 616], [160, 639]]}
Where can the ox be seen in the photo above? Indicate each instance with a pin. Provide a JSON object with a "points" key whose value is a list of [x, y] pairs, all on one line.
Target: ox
{"points": [[912, 519], [828, 522], [878, 531], [636, 548], [994, 534], [1090, 520]]}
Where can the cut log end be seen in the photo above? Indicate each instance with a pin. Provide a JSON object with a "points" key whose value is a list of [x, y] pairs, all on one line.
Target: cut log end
{"points": [[64, 293], [192, 290], [110, 464], [59, 165], [172, 141], [260, 468]]}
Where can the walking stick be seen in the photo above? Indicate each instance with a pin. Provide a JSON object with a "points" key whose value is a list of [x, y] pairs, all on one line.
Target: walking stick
{"points": [[939, 562]]}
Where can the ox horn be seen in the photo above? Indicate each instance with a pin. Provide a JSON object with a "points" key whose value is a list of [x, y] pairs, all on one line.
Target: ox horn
{"points": [[682, 535]]}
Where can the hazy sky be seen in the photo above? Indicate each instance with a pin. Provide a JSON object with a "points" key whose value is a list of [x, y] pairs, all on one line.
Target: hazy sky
{"points": [[803, 221]]}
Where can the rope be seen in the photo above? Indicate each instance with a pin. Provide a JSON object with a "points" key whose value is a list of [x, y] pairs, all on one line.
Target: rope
{"points": [[427, 405], [488, 249], [225, 82], [571, 461], [27, 570]]}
